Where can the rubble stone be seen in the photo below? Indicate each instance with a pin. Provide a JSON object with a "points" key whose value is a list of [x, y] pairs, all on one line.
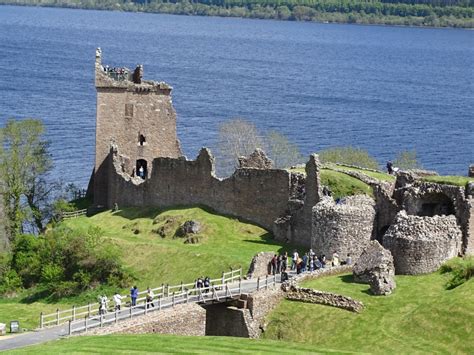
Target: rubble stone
{"points": [[257, 160]]}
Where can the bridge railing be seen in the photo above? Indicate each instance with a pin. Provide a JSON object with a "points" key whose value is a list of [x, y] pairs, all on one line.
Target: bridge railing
{"points": [[205, 294], [73, 214], [92, 309]]}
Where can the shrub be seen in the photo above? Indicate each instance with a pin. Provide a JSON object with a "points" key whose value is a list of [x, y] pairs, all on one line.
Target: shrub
{"points": [[348, 155], [461, 270], [407, 160]]}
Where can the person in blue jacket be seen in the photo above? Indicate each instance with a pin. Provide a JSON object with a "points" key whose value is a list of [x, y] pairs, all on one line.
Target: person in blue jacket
{"points": [[134, 295]]}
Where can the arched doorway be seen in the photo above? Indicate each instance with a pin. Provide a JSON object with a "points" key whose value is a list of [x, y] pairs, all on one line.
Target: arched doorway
{"points": [[142, 168]]}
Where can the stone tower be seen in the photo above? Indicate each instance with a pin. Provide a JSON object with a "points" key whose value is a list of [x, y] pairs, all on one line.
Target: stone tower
{"points": [[137, 116]]}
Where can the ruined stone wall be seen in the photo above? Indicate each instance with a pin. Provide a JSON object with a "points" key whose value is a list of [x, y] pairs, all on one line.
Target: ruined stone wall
{"points": [[421, 244], [256, 195], [225, 320], [345, 228], [126, 110], [294, 226], [326, 298], [186, 319], [259, 266], [444, 200], [468, 241]]}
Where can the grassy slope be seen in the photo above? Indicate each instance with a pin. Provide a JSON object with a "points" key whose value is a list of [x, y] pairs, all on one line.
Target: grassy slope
{"points": [[450, 180], [420, 316], [128, 344], [376, 175], [227, 243], [155, 260]]}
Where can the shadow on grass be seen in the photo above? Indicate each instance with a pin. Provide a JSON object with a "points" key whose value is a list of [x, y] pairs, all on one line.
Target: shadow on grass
{"points": [[349, 278]]}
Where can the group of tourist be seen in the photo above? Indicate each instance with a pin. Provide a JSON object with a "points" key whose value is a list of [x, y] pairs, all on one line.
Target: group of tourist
{"points": [[308, 262]]}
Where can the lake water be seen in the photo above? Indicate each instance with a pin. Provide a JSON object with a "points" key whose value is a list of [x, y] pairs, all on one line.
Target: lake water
{"points": [[384, 89]]}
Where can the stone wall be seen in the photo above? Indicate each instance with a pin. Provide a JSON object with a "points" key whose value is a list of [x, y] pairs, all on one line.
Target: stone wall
{"points": [[326, 298], [256, 195], [421, 244], [345, 228], [186, 319], [260, 304], [259, 266]]}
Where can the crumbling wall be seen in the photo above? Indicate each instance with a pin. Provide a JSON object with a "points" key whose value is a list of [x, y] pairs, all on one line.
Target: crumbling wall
{"points": [[309, 295], [345, 228], [259, 266], [294, 226], [256, 195], [421, 244]]}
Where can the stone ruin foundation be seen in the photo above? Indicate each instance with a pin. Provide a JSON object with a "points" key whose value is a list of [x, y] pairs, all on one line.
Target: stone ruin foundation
{"points": [[345, 228], [421, 244]]}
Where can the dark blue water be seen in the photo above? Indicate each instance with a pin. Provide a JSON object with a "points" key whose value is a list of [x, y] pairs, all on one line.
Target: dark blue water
{"points": [[385, 89]]}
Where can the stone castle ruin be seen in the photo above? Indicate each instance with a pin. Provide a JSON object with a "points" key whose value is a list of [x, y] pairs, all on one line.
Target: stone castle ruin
{"points": [[139, 163]]}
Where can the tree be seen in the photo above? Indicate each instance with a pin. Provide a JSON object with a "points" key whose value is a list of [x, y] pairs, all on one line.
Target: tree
{"points": [[237, 137], [407, 160], [349, 156], [283, 153], [24, 163]]}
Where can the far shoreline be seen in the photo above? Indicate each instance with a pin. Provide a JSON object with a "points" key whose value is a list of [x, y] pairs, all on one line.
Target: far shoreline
{"points": [[52, 6]]}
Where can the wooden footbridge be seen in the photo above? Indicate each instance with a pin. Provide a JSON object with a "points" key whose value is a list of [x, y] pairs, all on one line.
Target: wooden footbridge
{"points": [[230, 286]]}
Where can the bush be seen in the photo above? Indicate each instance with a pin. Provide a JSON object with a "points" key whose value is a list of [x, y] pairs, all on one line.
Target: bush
{"points": [[407, 160], [461, 270], [64, 263], [348, 155]]}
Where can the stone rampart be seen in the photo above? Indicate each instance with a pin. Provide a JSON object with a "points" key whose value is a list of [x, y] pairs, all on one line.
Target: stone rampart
{"points": [[345, 228], [421, 244], [256, 195], [326, 298], [259, 266]]}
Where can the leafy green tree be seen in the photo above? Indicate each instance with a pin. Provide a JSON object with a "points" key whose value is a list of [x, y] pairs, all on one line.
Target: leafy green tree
{"points": [[407, 160], [348, 155], [24, 163]]}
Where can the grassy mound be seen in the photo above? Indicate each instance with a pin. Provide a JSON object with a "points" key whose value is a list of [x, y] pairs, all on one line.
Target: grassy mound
{"points": [[373, 174], [341, 184], [168, 344], [449, 180], [420, 316], [155, 254]]}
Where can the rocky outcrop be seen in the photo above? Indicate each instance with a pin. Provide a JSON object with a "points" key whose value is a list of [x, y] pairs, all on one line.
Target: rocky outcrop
{"points": [[260, 264], [421, 244], [188, 227], [345, 227], [301, 294], [257, 160], [375, 267]]}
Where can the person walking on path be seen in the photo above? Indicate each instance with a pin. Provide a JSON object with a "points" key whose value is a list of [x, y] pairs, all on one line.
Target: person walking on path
{"points": [[149, 298], [117, 301], [284, 262], [294, 261], [134, 295]]}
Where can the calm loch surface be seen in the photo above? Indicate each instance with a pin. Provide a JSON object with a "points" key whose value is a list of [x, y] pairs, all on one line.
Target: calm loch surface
{"points": [[385, 89]]}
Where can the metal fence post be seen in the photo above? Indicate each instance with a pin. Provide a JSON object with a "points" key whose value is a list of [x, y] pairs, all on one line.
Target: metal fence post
{"points": [[70, 328], [41, 320], [57, 316], [85, 323], [163, 289], [266, 282], [89, 310], [167, 290], [73, 312], [258, 283], [173, 299]]}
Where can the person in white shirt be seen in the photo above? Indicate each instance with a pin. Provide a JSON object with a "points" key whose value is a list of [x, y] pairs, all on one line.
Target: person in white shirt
{"points": [[117, 301]]}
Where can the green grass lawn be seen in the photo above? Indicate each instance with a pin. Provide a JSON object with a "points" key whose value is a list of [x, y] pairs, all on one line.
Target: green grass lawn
{"points": [[420, 316], [147, 344], [374, 174], [153, 260], [225, 242], [450, 180]]}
